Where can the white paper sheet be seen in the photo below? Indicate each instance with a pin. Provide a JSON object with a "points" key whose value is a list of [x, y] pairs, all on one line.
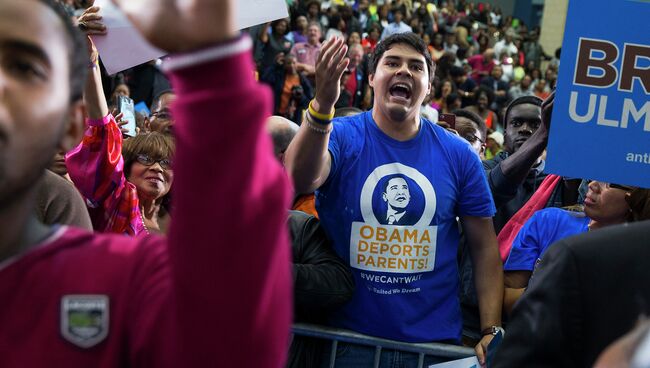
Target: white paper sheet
{"points": [[471, 362], [123, 47], [254, 12]]}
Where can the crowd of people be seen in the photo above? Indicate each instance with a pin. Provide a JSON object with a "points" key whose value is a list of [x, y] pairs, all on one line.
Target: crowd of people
{"points": [[375, 166], [484, 59]]}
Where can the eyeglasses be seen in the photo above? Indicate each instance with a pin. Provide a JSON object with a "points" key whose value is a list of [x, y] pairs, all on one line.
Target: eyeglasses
{"points": [[471, 138], [623, 187], [163, 115], [148, 161], [614, 186]]}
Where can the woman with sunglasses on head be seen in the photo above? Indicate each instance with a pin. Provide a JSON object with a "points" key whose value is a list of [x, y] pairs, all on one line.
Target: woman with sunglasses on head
{"points": [[125, 182], [605, 205]]}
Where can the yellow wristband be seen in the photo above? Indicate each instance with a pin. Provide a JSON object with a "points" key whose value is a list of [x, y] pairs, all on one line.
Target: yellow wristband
{"points": [[319, 116]]}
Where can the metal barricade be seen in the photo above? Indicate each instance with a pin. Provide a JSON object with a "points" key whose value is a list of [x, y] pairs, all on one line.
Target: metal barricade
{"points": [[422, 349]]}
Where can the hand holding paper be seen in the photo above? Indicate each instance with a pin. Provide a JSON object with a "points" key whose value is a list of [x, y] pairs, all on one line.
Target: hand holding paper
{"points": [[91, 22], [172, 26], [122, 46]]}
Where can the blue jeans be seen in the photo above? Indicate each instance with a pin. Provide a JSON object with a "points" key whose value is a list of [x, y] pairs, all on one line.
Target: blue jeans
{"points": [[360, 356]]}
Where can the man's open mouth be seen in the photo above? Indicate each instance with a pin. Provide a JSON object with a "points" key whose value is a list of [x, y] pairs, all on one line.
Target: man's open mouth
{"points": [[401, 90]]}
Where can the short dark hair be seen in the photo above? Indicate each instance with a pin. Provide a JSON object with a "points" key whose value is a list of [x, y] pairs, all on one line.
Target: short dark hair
{"points": [[451, 98], [395, 176], [488, 93], [410, 39], [480, 123], [278, 21], [77, 50], [375, 27], [156, 100], [347, 111], [457, 71], [532, 100]]}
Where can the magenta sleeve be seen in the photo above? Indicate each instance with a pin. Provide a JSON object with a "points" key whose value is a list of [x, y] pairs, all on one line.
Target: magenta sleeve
{"points": [[228, 242], [96, 166]]}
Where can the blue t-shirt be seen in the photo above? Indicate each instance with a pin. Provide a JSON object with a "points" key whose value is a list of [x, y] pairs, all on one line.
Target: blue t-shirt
{"points": [[390, 208], [544, 228]]}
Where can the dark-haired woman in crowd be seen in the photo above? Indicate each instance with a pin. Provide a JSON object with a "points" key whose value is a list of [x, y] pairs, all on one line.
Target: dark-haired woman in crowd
{"points": [[452, 102], [126, 188], [274, 42], [370, 42], [337, 27], [483, 98], [438, 46], [483, 42], [443, 89]]}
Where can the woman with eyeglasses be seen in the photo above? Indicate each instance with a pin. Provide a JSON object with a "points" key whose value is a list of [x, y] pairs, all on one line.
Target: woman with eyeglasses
{"points": [[605, 205], [125, 182]]}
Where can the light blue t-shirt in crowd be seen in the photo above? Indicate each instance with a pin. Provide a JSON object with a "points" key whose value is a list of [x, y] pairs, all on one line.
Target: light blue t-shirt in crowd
{"points": [[390, 208], [544, 228]]}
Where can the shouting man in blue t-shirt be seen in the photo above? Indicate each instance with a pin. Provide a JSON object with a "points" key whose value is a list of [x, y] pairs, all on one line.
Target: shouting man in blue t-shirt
{"points": [[389, 162]]}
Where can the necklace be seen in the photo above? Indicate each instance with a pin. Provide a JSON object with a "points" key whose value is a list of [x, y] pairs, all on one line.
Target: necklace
{"points": [[146, 229]]}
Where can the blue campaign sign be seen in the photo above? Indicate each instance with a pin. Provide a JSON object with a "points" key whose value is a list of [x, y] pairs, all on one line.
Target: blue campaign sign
{"points": [[601, 118]]}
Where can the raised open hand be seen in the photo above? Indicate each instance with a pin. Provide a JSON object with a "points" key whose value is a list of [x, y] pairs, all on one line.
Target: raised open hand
{"points": [[182, 25], [330, 66], [547, 110], [91, 22], [120, 123]]}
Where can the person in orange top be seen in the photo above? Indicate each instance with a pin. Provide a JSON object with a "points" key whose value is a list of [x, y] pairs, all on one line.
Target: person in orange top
{"points": [[483, 98], [540, 89], [282, 78], [370, 42]]}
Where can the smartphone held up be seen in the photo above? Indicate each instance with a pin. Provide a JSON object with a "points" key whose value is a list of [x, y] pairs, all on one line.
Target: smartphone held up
{"points": [[126, 107]]}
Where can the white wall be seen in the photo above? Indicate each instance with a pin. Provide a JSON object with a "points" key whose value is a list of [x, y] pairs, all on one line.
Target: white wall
{"points": [[553, 24]]}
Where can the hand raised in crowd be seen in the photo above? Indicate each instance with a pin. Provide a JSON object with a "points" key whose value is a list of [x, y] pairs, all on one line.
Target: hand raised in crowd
{"points": [[330, 66], [121, 124], [90, 22], [547, 110], [182, 25]]}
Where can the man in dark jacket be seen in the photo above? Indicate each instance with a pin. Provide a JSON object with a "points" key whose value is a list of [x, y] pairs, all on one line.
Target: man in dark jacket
{"points": [[587, 291], [321, 283], [500, 87]]}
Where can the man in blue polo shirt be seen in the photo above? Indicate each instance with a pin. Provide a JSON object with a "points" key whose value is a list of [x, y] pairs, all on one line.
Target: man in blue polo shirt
{"points": [[405, 273]]}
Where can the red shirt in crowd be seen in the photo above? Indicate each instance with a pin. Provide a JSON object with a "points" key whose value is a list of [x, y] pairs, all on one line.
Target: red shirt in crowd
{"points": [[479, 67], [215, 293]]}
